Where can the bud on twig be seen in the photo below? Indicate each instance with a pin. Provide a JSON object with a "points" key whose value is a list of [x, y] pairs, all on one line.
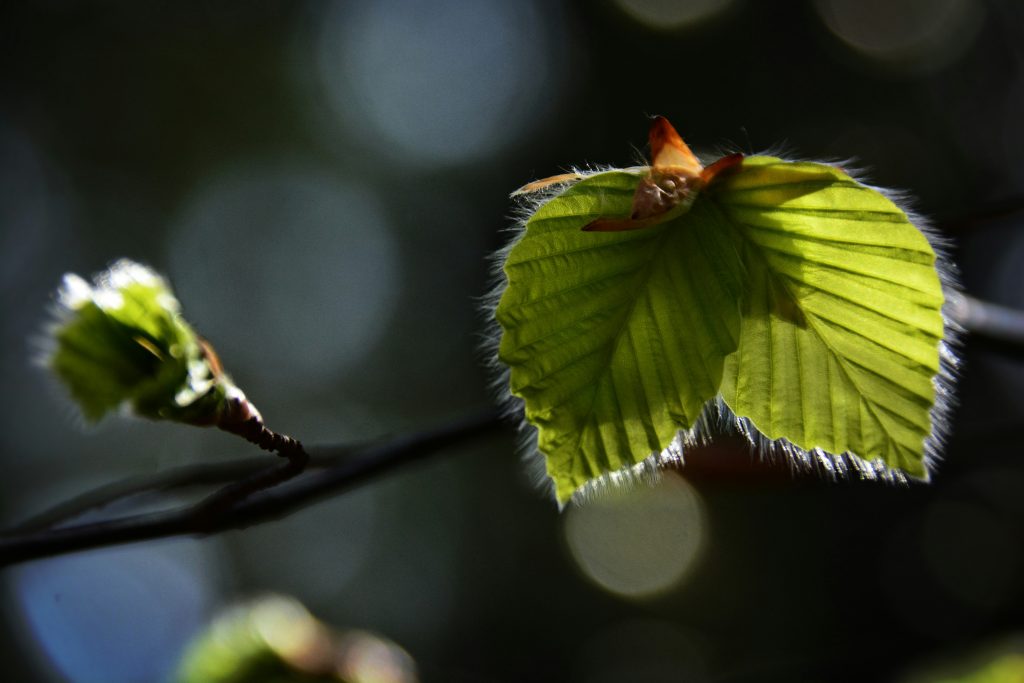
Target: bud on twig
{"points": [[120, 343]]}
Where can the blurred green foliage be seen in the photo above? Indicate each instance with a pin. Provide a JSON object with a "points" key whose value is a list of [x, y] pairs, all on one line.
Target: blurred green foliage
{"points": [[1004, 669], [121, 341], [275, 640]]}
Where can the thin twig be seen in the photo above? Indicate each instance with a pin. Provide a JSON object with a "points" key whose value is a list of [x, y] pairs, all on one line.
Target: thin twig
{"points": [[207, 510], [183, 477], [988, 319], [241, 417], [165, 481], [238, 513], [253, 430]]}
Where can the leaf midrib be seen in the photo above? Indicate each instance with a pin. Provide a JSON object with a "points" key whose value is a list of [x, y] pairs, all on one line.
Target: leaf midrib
{"points": [[643, 281]]}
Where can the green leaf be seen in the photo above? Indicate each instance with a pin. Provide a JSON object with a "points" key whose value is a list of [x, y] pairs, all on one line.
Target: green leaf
{"points": [[121, 341], [807, 302], [841, 330], [615, 341]]}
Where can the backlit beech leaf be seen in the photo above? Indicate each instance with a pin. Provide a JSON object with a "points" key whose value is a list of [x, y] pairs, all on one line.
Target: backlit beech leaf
{"points": [[803, 306], [616, 340], [839, 343]]}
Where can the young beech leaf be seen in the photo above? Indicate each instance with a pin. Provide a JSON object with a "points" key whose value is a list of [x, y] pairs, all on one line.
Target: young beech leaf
{"points": [[639, 306], [120, 343], [854, 371]]}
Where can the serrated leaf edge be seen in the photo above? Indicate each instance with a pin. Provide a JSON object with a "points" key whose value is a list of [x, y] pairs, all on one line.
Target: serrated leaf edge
{"points": [[717, 419]]}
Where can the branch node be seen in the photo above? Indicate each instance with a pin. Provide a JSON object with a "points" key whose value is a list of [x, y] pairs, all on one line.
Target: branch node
{"points": [[241, 417]]}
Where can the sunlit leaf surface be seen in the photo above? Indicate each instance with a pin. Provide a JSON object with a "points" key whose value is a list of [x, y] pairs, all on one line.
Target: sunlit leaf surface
{"points": [[121, 341], [805, 300], [840, 339], [616, 340]]}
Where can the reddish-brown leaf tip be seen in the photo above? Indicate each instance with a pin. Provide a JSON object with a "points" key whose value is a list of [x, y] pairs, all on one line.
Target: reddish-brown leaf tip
{"points": [[725, 166], [668, 151]]}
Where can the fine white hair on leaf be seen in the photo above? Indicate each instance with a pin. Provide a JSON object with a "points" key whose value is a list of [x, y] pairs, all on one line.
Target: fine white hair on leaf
{"points": [[512, 407], [647, 472], [717, 419], [106, 290], [944, 380], [74, 292]]}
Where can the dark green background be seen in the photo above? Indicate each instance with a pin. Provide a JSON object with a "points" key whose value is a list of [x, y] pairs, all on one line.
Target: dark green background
{"points": [[130, 108]]}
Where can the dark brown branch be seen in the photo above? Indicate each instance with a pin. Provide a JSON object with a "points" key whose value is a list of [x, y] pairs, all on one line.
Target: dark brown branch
{"points": [[187, 476], [257, 492], [226, 511], [250, 427], [165, 481], [241, 417]]}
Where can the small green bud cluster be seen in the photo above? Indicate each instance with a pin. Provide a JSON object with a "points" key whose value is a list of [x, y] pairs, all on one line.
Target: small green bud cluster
{"points": [[120, 342], [274, 638]]}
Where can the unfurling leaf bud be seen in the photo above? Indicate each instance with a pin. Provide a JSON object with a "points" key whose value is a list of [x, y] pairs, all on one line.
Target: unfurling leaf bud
{"points": [[121, 343]]}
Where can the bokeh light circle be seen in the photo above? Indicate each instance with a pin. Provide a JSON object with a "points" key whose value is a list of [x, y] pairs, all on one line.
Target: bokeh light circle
{"points": [[972, 553], [915, 34], [292, 273], [639, 542], [35, 214], [302, 564], [672, 14], [642, 650], [117, 615], [443, 82]]}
